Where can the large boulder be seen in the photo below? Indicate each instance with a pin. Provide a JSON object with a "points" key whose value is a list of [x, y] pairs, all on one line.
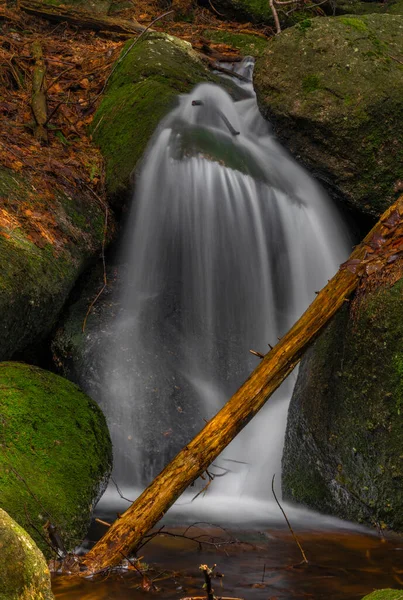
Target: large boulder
{"points": [[343, 445], [55, 455], [24, 574], [143, 88], [333, 88], [46, 239]]}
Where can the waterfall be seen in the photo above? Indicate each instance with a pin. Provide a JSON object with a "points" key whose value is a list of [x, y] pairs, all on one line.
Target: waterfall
{"points": [[227, 241]]}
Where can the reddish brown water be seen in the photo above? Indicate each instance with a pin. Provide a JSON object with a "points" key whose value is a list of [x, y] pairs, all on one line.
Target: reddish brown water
{"points": [[261, 566]]}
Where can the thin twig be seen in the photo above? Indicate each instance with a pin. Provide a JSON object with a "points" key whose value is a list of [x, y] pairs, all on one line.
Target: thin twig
{"points": [[304, 558]]}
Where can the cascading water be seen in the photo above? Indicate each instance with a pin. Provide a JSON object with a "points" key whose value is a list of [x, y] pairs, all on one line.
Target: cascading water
{"points": [[226, 244]]}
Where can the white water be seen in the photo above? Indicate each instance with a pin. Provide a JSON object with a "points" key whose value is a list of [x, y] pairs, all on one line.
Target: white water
{"points": [[227, 242]]}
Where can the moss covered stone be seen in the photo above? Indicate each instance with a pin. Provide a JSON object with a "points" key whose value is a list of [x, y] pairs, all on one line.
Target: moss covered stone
{"points": [[333, 88], [40, 259], [142, 90], [359, 7], [55, 452], [385, 595], [24, 574], [343, 448], [247, 44]]}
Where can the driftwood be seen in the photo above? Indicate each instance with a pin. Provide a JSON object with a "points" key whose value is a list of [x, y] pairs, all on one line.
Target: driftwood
{"points": [[38, 101], [380, 247], [80, 18]]}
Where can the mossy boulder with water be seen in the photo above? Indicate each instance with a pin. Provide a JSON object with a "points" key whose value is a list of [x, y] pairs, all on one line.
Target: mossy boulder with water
{"points": [[55, 454], [24, 574], [46, 239], [333, 89], [142, 90], [343, 445]]}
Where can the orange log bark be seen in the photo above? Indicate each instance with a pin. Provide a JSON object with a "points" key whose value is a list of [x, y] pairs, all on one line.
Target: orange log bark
{"points": [[127, 532]]}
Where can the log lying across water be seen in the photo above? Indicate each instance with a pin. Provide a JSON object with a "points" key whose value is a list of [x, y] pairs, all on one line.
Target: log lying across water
{"points": [[382, 245], [80, 18]]}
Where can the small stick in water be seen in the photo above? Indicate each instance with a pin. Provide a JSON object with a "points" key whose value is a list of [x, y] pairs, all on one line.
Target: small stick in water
{"points": [[304, 558]]}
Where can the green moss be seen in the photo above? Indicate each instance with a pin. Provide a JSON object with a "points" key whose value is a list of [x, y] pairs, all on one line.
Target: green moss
{"points": [[354, 22], [247, 44], [55, 451], [142, 90], [310, 83], [305, 24], [24, 574], [337, 131], [385, 595]]}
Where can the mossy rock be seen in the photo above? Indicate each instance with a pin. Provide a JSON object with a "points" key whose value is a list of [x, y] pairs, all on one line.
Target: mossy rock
{"points": [[359, 7], [40, 258], [333, 89], [142, 90], [55, 452], [385, 595], [24, 574], [247, 44], [344, 438]]}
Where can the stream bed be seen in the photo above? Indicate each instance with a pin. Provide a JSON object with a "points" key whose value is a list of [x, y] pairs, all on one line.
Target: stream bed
{"points": [[344, 564]]}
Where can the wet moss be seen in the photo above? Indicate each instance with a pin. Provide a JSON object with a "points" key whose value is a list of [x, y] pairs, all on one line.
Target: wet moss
{"points": [[24, 574], [345, 425], [337, 131], [142, 90], [385, 595], [247, 44], [55, 452]]}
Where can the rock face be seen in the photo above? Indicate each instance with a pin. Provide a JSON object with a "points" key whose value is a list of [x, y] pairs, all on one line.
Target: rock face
{"points": [[344, 439], [333, 89], [42, 252], [55, 452], [141, 91], [24, 574]]}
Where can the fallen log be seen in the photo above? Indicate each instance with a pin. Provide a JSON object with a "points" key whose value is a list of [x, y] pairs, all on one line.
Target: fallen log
{"points": [[380, 248], [80, 18]]}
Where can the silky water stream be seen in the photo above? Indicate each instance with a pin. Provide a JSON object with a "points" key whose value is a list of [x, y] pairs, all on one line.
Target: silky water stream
{"points": [[226, 244]]}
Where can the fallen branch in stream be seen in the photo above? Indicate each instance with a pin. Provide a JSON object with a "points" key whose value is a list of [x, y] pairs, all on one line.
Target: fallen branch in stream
{"points": [[380, 248]]}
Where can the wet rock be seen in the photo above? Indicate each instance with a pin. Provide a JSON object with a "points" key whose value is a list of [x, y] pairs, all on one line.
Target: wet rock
{"points": [[24, 574], [85, 358], [44, 246], [55, 454], [344, 434], [333, 89]]}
